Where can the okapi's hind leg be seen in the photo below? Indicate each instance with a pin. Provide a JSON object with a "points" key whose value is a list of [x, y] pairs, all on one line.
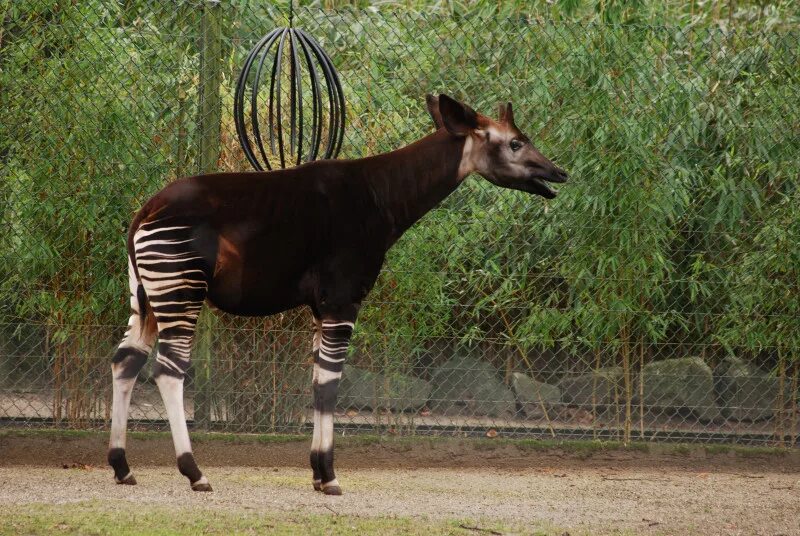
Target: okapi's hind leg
{"points": [[175, 277], [125, 366], [175, 334], [331, 339]]}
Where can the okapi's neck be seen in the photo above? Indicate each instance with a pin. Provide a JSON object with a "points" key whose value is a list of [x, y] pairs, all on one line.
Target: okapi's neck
{"points": [[409, 182]]}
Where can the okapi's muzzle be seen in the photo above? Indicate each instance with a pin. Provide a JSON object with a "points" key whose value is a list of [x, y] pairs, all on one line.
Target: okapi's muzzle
{"points": [[538, 183]]}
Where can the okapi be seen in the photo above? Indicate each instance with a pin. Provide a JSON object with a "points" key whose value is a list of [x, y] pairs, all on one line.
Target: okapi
{"points": [[256, 244]]}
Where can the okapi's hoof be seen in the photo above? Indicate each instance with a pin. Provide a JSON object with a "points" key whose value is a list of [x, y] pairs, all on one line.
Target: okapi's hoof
{"points": [[317, 485], [332, 490], [128, 480], [201, 485]]}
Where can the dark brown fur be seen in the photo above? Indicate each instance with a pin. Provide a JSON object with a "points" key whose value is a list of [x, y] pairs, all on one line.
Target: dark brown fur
{"points": [[316, 234]]}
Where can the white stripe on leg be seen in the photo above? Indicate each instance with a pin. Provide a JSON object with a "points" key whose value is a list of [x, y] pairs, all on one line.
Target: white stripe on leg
{"points": [[326, 376], [326, 432], [123, 388], [171, 389], [130, 357], [315, 438]]}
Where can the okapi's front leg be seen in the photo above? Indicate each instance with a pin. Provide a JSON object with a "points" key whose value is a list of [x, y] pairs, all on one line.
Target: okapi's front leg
{"points": [[331, 339], [317, 477]]}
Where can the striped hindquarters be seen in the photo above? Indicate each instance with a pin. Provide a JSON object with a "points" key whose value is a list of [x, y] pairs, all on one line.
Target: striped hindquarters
{"points": [[175, 277]]}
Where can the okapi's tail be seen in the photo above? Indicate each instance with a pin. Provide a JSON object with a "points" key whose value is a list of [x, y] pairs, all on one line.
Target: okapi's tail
{"points": [[141, 296]]}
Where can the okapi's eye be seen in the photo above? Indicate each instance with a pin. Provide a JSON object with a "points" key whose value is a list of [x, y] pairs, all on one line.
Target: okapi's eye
{"points": [[516, 145]]}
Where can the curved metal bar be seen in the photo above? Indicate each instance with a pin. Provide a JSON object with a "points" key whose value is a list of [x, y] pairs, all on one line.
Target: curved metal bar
{"points": [[275, 61], [330, 89], [298, 79], [277, 78], [254, 123], [292, 95], [337, 94], [340, 109], [316, 101], [333, 122], [238, 102]]}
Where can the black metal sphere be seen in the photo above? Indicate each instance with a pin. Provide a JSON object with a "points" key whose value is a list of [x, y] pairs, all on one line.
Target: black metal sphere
{"points": [[314, 95]]}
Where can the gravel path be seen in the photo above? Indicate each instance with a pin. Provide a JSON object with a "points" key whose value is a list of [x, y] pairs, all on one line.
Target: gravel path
{"points": [[643, 502], [604, 493]]}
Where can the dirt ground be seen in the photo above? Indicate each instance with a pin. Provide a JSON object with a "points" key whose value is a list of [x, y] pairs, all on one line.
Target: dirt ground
{"points": [[494, 485]]}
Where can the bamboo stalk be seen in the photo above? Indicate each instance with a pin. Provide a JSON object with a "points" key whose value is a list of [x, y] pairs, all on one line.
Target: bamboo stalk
{"points": [[180, 156], [626, 374], [641, 388], [780, 410], [273, 409], [793, 402], [616, 408], [522, 355], [594, 392]]}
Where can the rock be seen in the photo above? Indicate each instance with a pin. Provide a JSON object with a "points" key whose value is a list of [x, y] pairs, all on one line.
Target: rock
{"points": [[404, 393], [470, 386], [531, 394], [746, 393], [683, 383], [358, 389], [605, 382], [362, 389]]}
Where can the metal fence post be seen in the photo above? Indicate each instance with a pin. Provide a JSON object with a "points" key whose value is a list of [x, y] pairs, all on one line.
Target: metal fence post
{"points": [[209, 123]]}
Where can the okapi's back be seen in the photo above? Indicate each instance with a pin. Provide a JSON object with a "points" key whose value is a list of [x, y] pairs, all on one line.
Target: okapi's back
{"points": [[222, 200], [266, 237]]}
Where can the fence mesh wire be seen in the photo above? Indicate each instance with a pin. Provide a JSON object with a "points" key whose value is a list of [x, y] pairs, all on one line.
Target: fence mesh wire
{"points": [[655, 298]]}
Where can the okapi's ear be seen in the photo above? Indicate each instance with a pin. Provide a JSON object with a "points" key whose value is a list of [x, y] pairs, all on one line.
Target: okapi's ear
{"points": [[459, 119], [506, 113], [432, 102]]}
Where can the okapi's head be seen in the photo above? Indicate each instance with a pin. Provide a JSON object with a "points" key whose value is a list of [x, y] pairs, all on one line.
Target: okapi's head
{"points": [[496, 150]]}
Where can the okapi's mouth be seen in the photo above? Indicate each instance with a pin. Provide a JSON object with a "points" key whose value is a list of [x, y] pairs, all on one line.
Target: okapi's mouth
{"points": [[540, 186]]}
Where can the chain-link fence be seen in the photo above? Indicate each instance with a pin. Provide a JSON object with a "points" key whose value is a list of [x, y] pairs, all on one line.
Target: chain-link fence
{"points": [[656, 297]]}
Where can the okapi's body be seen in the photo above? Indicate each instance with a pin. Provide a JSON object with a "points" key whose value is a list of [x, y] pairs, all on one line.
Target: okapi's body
{"points": [[308, 235], [255, 244]]}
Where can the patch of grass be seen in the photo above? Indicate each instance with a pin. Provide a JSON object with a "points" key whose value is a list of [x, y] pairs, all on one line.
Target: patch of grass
{"points": [[753, 452], [740, 451], [580, 448], [717, 450], [50, 434], [197, 437], [207, 437], [106, 518], [681, 449]]}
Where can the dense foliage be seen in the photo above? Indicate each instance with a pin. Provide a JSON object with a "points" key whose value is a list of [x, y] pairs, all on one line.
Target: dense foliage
{"points": [[678, 122]]}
